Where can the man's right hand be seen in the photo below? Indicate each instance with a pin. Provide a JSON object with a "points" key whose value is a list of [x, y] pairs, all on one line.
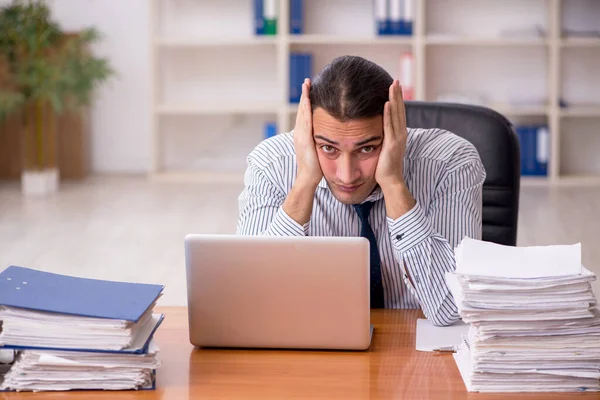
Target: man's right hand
{"points": [[309, 170], [299, 202]]}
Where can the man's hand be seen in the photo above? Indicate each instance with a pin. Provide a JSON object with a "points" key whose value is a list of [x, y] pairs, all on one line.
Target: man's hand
{"points": [[391, 159], [389, 172], [309, 170], [299, 202]]}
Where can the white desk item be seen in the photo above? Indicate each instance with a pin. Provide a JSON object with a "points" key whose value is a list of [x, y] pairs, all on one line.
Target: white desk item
{"points": [[439, 338]]}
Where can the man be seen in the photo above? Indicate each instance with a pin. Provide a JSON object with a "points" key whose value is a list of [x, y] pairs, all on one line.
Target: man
{"points": [[351, 167]]}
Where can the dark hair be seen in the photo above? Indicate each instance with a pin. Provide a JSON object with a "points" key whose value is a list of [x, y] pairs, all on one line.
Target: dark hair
{"points": [[351, 87]]}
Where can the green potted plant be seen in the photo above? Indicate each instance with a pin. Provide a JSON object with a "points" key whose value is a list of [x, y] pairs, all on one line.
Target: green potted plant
{"points": [[43, 72]]}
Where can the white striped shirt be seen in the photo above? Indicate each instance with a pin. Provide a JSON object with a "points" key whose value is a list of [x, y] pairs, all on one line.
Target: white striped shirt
{"points": [[443, 173]]}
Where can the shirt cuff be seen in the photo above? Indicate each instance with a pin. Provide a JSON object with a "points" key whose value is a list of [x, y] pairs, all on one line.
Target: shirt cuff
{"points": [[410, 229], [284, 225]]}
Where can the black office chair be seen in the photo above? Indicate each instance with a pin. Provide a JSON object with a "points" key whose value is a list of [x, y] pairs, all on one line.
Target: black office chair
{"points": [[496, 141]]}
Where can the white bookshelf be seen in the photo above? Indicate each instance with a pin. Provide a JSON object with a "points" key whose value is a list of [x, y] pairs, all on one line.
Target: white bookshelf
{"points": [[215, 83]]}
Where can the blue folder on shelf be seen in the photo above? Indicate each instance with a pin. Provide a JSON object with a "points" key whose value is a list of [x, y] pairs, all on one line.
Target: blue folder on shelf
{"points": [[259, 24], [533, 141], [301, 65], [296, 17]]}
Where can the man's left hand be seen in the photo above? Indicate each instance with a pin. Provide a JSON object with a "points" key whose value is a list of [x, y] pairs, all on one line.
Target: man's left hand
{"points": [[389, 172], [391, 159]]}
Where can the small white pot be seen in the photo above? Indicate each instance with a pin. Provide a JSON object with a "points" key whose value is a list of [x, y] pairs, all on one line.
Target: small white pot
{"points": [[39, 182]]}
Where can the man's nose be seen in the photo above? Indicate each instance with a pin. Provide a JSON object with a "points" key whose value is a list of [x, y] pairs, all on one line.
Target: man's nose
{"points": [[347, 171]]}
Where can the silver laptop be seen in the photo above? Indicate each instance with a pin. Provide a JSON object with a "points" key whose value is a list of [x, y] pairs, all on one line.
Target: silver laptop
{"points": [[278, 292]]}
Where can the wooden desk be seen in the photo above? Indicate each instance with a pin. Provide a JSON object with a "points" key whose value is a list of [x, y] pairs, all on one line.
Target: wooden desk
{"points": [[392, 368]]}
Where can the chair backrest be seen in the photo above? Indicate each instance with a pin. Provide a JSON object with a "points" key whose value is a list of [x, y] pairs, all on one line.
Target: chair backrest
{"points": [[497, 143]]}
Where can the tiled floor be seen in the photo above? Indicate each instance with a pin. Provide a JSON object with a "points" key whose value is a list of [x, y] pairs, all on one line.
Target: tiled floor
{"points": [[128, 228]]}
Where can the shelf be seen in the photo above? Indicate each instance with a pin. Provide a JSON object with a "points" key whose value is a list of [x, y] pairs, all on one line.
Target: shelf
{"points": [[581, 111], [580, 42], [483, 41], [219, 108], [335, 39], [490, 51], [175, 42]]}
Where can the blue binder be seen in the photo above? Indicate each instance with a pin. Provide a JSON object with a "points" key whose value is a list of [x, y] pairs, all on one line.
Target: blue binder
{"points": [[142, 350], [529, 139], [270, 130], [296, 17], [406, 27], [295, 87], [396, 17], [307, 66], [301, 65], [259, 23], [45, 291], [381, 15]]}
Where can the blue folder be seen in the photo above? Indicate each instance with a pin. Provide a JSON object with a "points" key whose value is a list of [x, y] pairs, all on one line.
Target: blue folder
{"points": [[259, 23], [296, 17], [529, 143], [295, 84], [45, 291], [141, 350]]}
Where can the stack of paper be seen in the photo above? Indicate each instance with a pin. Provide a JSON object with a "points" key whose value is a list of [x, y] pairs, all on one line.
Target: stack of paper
{"points": [[74, 333], [43, 370], [533, 320]]}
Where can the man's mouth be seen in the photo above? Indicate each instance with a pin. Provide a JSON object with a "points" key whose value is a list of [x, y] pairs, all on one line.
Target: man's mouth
{"points": [[348, 189]]}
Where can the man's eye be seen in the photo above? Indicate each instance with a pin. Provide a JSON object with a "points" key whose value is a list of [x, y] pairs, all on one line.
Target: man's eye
{"points": [[367, 149], [327, 148]]}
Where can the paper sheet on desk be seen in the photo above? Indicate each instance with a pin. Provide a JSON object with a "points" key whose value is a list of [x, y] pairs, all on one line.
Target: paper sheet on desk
{"points": [[430, 337], [517, 262]]}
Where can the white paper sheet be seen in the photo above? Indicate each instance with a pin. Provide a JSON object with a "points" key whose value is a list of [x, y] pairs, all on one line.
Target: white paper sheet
{"points": [[431, 337], [517, 262]]}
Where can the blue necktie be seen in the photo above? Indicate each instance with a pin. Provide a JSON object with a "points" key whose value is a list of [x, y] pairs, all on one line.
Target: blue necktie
{"points": [[363, 210]]}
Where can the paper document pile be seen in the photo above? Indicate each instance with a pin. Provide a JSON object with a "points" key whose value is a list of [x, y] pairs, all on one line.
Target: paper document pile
{"points": [[45, 370], [533, 320], [73, 333]]}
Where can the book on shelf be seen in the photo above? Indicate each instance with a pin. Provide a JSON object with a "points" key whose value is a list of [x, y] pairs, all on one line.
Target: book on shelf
{"points": [[394, 17], [534, 142], [301, 67], [266, 13], [259, 24], [72, 333], [296, 17], [270, 129]]}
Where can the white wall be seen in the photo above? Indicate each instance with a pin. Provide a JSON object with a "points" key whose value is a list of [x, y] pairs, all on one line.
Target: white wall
{"points": [[121, 115]]}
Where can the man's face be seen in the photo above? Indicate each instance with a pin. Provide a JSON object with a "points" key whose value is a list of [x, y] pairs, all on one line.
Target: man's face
{"points": [[348, 153]]}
